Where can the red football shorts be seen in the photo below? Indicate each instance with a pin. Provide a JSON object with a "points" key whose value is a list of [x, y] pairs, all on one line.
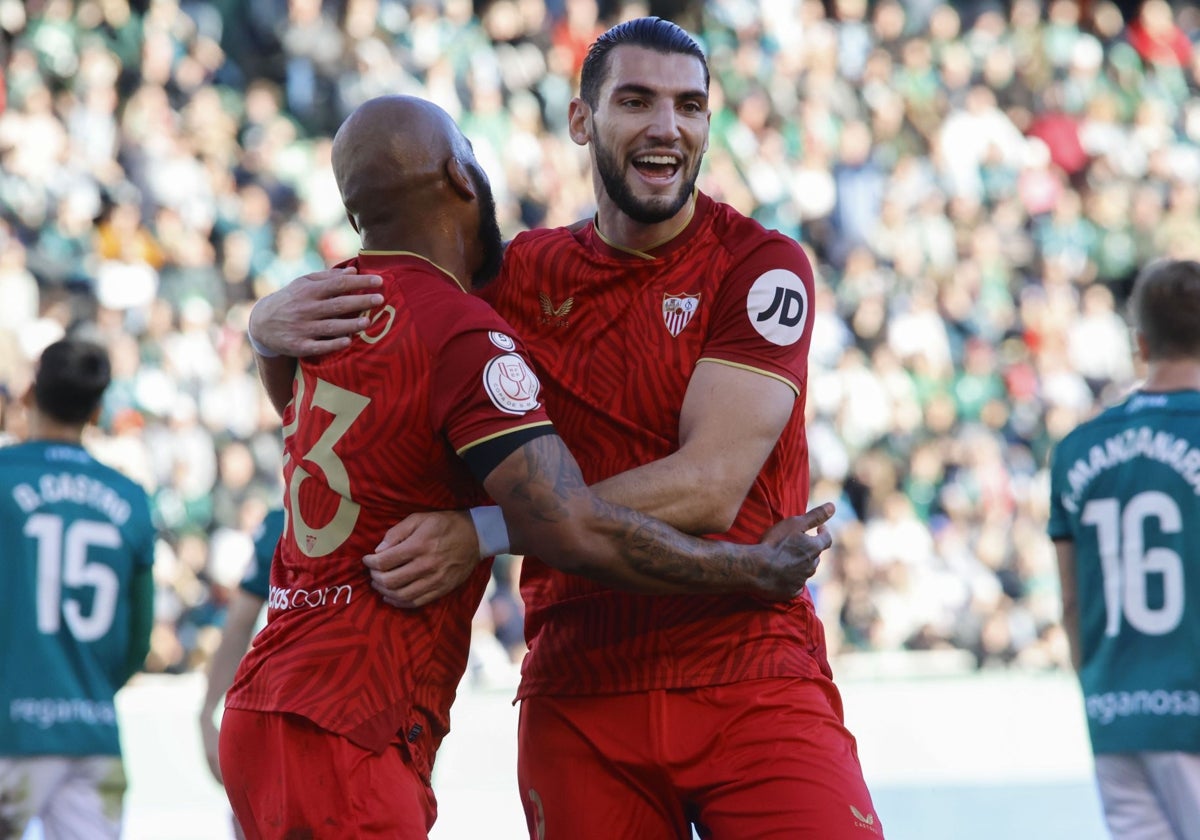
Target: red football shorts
{"points": [[765, 759], [288, 779]]}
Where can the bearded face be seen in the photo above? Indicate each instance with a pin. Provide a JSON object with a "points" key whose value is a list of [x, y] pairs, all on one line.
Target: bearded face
{"points": [[648, 131], [647, 209], [489, 230]]}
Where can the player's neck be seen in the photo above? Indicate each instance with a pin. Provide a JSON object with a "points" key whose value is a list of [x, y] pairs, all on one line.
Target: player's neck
{"points": [[620, 231], [1172, 375], [44, 429], [446, 256]]}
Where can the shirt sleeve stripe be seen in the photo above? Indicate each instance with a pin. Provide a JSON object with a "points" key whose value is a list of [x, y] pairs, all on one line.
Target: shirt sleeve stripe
{"points": [[771, 374], [508, 431], [483, 456]]}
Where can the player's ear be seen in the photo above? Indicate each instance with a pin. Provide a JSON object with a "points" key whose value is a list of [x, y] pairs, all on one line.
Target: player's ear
{"points": [[579, 121], [353, 223], [1142, 346], [460, 179]]}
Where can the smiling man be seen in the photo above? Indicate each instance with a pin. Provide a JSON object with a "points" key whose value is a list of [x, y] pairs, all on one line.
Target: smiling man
{"points": [[670, 334], [647, 156], [678, 378]]}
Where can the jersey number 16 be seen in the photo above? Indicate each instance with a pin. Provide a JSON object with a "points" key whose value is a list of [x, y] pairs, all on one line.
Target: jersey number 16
{"points": [[1126, 562]]}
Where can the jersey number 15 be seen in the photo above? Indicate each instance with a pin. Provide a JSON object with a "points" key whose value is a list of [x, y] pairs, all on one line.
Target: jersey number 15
{"points": [[62, 560]]}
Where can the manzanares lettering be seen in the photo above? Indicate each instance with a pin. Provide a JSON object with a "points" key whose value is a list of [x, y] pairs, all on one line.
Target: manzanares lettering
{"points": [[1141, 442]]}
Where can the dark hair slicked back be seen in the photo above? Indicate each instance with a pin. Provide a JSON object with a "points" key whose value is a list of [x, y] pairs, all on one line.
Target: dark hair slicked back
{"points": [[650, 32], [71, 379]]}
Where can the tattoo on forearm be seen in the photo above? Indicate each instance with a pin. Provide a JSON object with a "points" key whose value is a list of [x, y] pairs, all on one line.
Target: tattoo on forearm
{"points": [[552, 486], [659, 551], [549, 480]]}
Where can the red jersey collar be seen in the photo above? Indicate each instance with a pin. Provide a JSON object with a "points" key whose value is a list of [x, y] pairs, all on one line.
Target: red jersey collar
{"points": [[368, 260], [701, 211]]}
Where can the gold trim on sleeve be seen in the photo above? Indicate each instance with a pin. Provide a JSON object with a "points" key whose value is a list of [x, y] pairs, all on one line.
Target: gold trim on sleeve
{"points": [[475, 443], [740, 366]]}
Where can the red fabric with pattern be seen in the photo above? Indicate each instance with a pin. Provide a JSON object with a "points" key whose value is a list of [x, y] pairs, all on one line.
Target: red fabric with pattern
{"points": [[598, 323], [376, 428]]}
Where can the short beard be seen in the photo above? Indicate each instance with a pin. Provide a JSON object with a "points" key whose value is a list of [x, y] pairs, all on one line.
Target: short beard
{"points": [[646, 212], [490, 240]]}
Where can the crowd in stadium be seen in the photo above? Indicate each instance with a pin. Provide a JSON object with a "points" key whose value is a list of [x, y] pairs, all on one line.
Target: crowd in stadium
{"points": [[976, 184]]}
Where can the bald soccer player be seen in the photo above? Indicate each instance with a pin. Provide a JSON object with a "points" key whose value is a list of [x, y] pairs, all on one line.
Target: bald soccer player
{"points": [[337, 710], [671, 334]]}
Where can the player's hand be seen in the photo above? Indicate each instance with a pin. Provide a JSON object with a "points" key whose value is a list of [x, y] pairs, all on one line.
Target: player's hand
{"points": [[210, 736], [424, 557], [797, 542], [316, 313]]}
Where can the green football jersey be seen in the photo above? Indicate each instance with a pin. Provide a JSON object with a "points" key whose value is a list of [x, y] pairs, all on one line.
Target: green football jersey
{"points": [[72, 534], [257, 579], [1125, 488]]}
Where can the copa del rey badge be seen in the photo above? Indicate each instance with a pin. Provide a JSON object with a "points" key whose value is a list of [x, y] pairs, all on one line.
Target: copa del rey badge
{"points": [[678, 310], [511, 385]]}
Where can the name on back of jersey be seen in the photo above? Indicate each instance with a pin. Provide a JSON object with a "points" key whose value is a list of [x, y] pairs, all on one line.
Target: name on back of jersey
{"points": [[1137, 442], [53, 488]]}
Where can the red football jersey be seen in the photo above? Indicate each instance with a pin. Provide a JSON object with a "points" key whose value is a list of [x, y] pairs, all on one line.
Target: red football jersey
{"points": [[373, 433], [615, 336]]}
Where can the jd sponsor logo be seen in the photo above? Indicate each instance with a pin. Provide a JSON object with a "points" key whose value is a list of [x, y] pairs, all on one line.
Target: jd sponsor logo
{"points": [[778, 307]]}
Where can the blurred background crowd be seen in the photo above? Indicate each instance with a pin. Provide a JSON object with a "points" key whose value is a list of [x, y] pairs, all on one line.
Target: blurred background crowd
{"points": [[977, 184]]}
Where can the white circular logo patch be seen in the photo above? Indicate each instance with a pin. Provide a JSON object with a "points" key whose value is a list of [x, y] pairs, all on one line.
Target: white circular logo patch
{"points": [[510, 384], [778, 306], [502, 341]]}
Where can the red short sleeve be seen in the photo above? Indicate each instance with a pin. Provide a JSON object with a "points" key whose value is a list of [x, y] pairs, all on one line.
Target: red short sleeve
{"points": [[764, 313], [485, 386]]}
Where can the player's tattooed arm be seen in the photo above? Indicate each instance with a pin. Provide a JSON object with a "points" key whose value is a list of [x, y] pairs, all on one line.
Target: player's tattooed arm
{"points": [[551, 513]]}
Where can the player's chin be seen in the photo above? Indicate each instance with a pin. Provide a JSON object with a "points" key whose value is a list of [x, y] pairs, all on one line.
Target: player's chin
{"points": [[658, 206]]}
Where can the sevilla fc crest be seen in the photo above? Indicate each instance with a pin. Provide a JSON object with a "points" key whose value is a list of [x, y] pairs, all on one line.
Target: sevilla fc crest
{"points": [[678, 310]]}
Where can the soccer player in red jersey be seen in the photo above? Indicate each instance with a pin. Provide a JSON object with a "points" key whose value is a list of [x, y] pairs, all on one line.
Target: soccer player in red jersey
{"points": [[671, 335], [337, 710]]}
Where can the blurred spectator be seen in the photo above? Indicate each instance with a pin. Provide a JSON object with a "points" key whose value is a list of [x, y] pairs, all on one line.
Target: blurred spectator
{"points": [[976, 188], [1156, 37]]}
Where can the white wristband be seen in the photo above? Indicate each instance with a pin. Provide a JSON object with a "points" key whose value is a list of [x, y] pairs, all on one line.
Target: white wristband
{"points": [[259, 349], [491, 530]]}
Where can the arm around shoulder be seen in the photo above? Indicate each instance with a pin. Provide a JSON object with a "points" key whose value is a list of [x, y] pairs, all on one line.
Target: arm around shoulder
{"points": [[314, 314]]}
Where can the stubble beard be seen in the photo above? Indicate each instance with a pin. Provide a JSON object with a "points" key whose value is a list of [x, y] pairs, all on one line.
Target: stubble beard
{"points": [[644, 211]]}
